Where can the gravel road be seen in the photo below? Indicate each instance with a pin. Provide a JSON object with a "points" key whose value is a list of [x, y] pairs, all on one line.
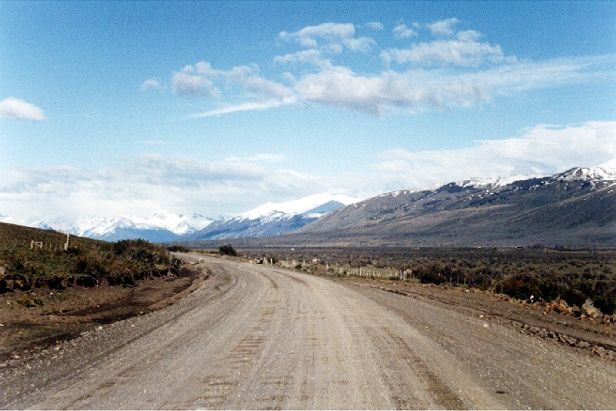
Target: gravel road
{"points": [[256, 337]]}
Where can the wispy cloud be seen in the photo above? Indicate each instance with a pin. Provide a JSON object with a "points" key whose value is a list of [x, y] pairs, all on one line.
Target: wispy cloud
{"points": [[420, 89], [456, 70], [464, 51], [403, 32], [150, 84], [249, 106], [543, 150], [144, 184], [12, 108], [190, 82], [311, 35], [375, 25], [443, 27]]}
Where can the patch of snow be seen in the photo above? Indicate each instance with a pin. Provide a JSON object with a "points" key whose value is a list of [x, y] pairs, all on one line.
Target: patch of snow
{"points": [[488, 183], [601, 173], [295, 207], [609, 165]]}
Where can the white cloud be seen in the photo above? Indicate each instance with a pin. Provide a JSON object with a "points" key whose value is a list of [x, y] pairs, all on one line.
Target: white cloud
{"points": [[203, 80], [403, 32], [186, 83], [330, 37], [443, 74], [150, 84], [15, 109], [465, 51], [143, 185], [375, 25], [330, 32], [443, 27], [541, 150], [311, 56], [413, 90], [249, 106], [418, 90]]}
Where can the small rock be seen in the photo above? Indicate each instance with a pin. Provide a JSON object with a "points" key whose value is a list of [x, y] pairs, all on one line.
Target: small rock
{"points": [[583, 344], [485, 325], [590, 310]]}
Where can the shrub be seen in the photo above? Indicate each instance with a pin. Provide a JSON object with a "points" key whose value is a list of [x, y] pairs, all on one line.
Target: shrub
{"points": [[227, 249], [573, 297], [606, 302], [178, 249]]}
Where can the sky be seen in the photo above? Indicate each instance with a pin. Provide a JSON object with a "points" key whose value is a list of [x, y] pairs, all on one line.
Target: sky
{"points": [[216, 107]]}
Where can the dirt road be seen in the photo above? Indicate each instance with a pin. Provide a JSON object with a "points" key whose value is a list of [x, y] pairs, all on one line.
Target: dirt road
{"points": [[258, 337]]}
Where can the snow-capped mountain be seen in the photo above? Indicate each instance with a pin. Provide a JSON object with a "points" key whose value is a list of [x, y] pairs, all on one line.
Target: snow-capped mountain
{"points": [[576, 208], [273, 218], [500, 210], [267, 219], [162, 226]]}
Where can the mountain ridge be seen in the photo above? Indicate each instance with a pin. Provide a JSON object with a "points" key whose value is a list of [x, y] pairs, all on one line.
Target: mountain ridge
{"points": [[574, 208], [267, 219]]}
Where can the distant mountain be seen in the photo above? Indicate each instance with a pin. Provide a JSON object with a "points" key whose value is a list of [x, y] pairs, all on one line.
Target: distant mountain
{"points": [[266, 220], [576, 208], [161, 227], [273, 218]]}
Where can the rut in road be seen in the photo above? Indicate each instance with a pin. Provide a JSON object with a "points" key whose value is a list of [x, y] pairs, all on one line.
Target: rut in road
{"points": [[261, 337]]}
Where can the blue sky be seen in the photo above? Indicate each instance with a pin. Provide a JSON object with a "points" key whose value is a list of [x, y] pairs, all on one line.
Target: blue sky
{"points": [[111, 108]]}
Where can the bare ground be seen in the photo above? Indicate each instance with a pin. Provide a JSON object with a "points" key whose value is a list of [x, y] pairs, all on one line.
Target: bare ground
{"points": [[593, 336], [261, 337], [35, 319]]}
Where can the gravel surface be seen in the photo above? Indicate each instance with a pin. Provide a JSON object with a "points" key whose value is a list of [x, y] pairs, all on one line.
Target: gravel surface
{"points": [[258, 337]]}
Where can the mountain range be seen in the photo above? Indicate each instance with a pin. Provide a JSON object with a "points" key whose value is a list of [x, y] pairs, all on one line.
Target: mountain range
{"points": [[273, 219], [575, 209], [267, 219]]}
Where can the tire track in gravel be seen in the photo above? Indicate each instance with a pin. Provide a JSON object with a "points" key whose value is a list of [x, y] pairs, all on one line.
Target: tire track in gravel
{"points": [[259, 337]]}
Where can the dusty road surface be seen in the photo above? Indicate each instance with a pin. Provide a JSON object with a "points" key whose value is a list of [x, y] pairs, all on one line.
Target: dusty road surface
{"points": [[258, 337]]}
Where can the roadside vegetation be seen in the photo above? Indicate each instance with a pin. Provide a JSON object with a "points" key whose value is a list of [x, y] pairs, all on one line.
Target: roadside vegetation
{"points": [[532, 274], [31, 258], [227, 249]]}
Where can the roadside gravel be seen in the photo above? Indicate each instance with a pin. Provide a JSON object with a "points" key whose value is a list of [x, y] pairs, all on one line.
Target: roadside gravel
{"points": [[254, 336]]}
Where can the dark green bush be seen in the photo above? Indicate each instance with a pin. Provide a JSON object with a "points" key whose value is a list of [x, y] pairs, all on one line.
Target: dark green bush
{"points": [[178, 249], [606, 302], [227, 249]]}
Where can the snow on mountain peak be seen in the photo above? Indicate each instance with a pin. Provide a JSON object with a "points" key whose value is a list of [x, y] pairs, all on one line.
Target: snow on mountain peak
{"points": [[93, 226], [606, 171], [494, 182], [296, 206]]}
